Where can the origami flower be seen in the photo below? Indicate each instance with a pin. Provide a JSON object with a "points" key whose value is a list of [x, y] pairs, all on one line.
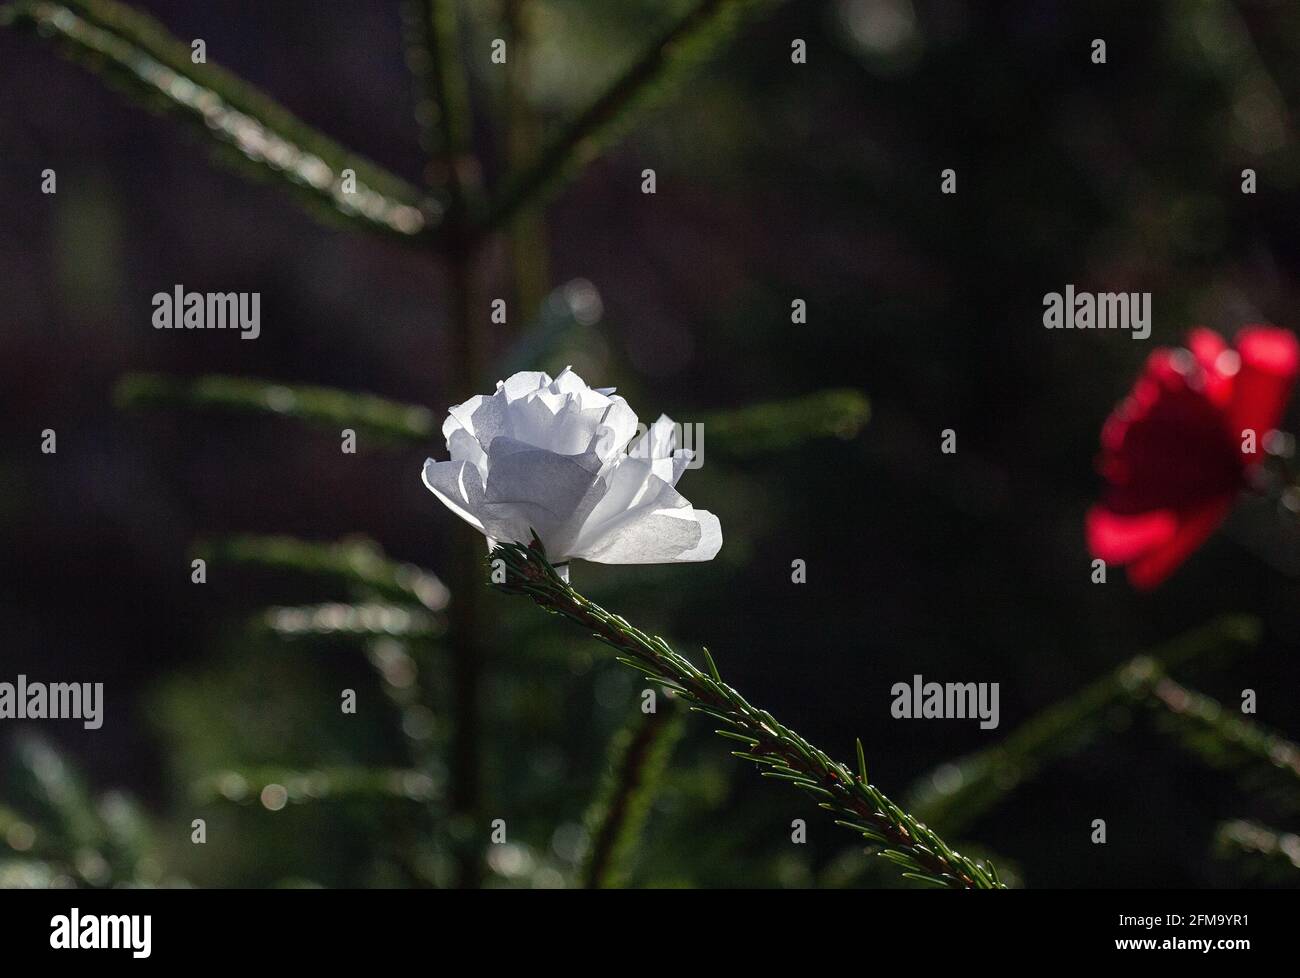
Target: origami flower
{"points": [[1177, 451], [553, 457]]}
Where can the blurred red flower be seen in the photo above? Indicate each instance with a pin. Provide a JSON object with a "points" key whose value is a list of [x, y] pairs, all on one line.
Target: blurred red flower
{"points": [[1175, 453]]}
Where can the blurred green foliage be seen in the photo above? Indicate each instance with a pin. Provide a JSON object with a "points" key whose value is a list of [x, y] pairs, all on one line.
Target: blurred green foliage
{"points": [[136, 53], [300, 794]]}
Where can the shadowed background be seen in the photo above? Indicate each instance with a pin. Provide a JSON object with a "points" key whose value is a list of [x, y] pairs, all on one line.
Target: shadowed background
{"points": [[775, 181]]}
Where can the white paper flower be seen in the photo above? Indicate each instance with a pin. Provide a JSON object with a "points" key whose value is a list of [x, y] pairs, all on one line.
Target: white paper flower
{"points": [[552, 456]]}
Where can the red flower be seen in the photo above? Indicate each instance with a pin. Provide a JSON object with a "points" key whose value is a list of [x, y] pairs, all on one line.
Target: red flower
{"points": [[1173, 450]]}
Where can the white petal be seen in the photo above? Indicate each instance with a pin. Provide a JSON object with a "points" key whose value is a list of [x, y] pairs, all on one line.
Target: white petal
{"points": [[567, 382], [616, 428], [630, 485], [554, 457], [534, 489], [636, 494], [671, 469], [464, 447], [555, 422], [460, 487], [662, 437], [658, 441], [710, 538], [524, 382], [482, 417], [460, 416], [660, 536]]}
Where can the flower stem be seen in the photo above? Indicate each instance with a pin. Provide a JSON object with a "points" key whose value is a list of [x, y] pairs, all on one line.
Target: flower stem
{"points": [[855, 803]]}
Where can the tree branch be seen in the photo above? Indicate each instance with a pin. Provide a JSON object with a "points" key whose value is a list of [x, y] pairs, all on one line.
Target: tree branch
{"points": [[1226, 740], [356, 563], [693, 39], [251, 128], [753, 430], [1265, 854], [961, 791], [855, 803], [445, 114], [529, 253], [638, 757], [388, 422]]}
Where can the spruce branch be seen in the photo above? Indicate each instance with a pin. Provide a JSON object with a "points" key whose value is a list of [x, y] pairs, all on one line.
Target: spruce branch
{"points": [[59, 794], [741, 433], [252, 129], [448, 87], [456, 167], [1263, 853], [387, 422], [248, 785], [66, 831], [434, 60], [529, 251], [1226, 740], [638, 758], [855, 803], [370, 619], [709, 26], [357, 563], [774, 426], [444, 110], [957, 793]]}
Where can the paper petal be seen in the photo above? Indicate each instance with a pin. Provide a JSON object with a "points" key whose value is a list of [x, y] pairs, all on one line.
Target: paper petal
{"points": [[660, 537], [533, 488], [460, 487]]}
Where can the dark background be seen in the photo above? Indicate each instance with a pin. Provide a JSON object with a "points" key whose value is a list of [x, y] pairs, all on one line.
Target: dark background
{"points": [[775, 181]]}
